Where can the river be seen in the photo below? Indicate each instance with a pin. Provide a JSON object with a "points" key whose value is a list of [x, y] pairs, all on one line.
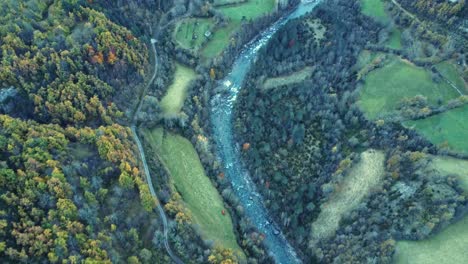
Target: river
{"points": [[228, 150]]}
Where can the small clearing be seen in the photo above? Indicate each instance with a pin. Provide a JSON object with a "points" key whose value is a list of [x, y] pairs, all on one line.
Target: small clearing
{"points": [[375, 9], [318, 28], [362, 179], [295, 77], [173, 101]]}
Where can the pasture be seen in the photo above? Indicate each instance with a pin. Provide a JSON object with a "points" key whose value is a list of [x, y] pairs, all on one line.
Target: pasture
{"points": [[449, 165], [448, 246], [449, 128], [385, 87], [200, 196], [189, 33]]}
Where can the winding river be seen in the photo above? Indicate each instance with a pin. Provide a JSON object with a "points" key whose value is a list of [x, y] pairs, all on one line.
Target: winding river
{"points": [[229, 151]]}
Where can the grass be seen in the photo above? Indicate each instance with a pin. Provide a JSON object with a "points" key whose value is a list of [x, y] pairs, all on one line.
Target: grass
{"points": [[447, 247], [219, 41], [449, 165], [294, 77], [362, 178], [384, 88], [187, 28], [450, 128], [236, 13], [375, 9], [448, 70], [188, 176], [173, 101], [394, 40]]}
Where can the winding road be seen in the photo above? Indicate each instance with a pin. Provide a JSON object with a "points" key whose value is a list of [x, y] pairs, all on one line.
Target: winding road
{"points": [[161, 212]]}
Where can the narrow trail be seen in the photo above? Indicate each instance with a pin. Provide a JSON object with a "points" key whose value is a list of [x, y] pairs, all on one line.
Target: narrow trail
{"points": [[161, 212]]}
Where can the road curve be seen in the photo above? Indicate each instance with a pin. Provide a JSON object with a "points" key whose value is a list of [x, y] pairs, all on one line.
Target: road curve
{"points": [[161, 212]]}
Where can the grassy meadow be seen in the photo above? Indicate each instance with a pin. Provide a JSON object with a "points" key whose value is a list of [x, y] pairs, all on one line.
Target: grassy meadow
{"points": [[187, 29], [448, 70], [189, 178], [449, 165], [449, 128], [375, 9], [362, 179], [385, 87], [173, 100], [234, 11], [394, 41], [446, 247]]}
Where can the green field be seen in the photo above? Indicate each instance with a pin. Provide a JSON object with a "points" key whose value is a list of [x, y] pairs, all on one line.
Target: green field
{"points": [[173, 101], [219, 41], [190, 33], [447, 247], [188, 176], [221, 37], [385, 87], [375, 9], [249, 10], [448, 70], [394, 40], [450, 245], [450, 127], [449, 165]]}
